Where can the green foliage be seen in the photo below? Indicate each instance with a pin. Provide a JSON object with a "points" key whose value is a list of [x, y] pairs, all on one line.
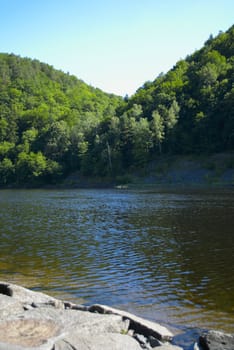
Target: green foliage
{"points": [[47, 120], [194, 101], [52, 124], [6, 149], [6, 171], [142, 142], [30, 166], [157, 127]]}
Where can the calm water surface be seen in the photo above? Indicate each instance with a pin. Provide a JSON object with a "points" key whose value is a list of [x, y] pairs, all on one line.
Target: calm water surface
{"points": [[162, 255]]}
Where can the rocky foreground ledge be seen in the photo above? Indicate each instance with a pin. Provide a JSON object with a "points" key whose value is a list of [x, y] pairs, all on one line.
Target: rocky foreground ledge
{"points": [[35, 321]]}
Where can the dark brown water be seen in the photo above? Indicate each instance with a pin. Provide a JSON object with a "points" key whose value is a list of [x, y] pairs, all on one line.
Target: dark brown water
{"points": [[167, 256]]}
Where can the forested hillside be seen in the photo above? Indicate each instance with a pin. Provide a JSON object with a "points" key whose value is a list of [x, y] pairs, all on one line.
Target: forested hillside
{"points": [[47, 119], [191, 108], [52, 124]]}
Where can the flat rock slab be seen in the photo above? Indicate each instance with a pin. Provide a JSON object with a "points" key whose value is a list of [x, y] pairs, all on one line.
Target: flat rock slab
{"points": [[27, 332], [139, 324], [40, 326], [7, 304], [27, 296], [109, 341], [35, 321]]}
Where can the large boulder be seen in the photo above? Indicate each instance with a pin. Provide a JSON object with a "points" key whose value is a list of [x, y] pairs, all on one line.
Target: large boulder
{"points": [[35, 321], [214, 340]]}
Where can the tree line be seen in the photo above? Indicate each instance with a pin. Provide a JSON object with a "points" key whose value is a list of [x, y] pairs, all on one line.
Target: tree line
{"points": [[53, 124]]}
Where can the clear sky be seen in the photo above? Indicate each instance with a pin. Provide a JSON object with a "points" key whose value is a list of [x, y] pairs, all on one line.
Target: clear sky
{"points": [[115, 45]]}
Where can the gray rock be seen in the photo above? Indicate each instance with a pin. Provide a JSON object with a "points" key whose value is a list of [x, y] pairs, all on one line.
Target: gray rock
{"points": [[35, 321], [154, 342], [169, 347], [3, 346], [8, 305], [41, 328], [139, 324], [72, 306], [77, 320], [142, 340], [27, 296], [214, 340], [27, 333], [109, 341]]}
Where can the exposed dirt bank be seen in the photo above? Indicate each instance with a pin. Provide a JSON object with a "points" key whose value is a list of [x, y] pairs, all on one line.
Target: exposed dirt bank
{"points": [[190, 171]]}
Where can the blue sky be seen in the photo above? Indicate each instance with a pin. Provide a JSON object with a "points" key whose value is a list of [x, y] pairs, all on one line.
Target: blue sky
{"points": [[115, 45]]}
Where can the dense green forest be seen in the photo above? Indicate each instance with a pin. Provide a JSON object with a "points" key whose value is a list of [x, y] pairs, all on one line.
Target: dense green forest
{"points": [[53, 124]]}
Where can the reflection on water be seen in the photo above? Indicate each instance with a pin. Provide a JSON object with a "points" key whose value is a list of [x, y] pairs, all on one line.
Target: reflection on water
{"points": [[165, 256]]}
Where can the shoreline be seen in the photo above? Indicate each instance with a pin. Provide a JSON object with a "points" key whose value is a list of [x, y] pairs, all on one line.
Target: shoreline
{"points": [[215, 171], [32, 320], [141, 186], [190, 171]]}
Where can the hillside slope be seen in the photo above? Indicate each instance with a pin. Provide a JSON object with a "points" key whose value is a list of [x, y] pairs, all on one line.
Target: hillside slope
{"points": [[192, 106], [52, 124], [45, 119]]}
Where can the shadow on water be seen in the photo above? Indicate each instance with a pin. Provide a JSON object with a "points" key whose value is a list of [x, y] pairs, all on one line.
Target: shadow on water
{"points": [[164, 256]]}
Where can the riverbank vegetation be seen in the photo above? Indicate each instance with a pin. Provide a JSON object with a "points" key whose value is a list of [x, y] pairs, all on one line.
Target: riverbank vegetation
{"points": [[53, 124]]}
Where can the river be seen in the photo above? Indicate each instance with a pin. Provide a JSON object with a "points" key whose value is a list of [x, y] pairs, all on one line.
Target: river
{"points": [[164, 255]]}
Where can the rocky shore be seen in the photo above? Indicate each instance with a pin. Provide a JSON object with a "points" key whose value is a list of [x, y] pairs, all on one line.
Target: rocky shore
{"points": [[35, 321]]}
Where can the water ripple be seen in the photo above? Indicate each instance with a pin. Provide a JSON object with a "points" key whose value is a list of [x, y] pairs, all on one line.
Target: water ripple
{"points": [[165, 256]]}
